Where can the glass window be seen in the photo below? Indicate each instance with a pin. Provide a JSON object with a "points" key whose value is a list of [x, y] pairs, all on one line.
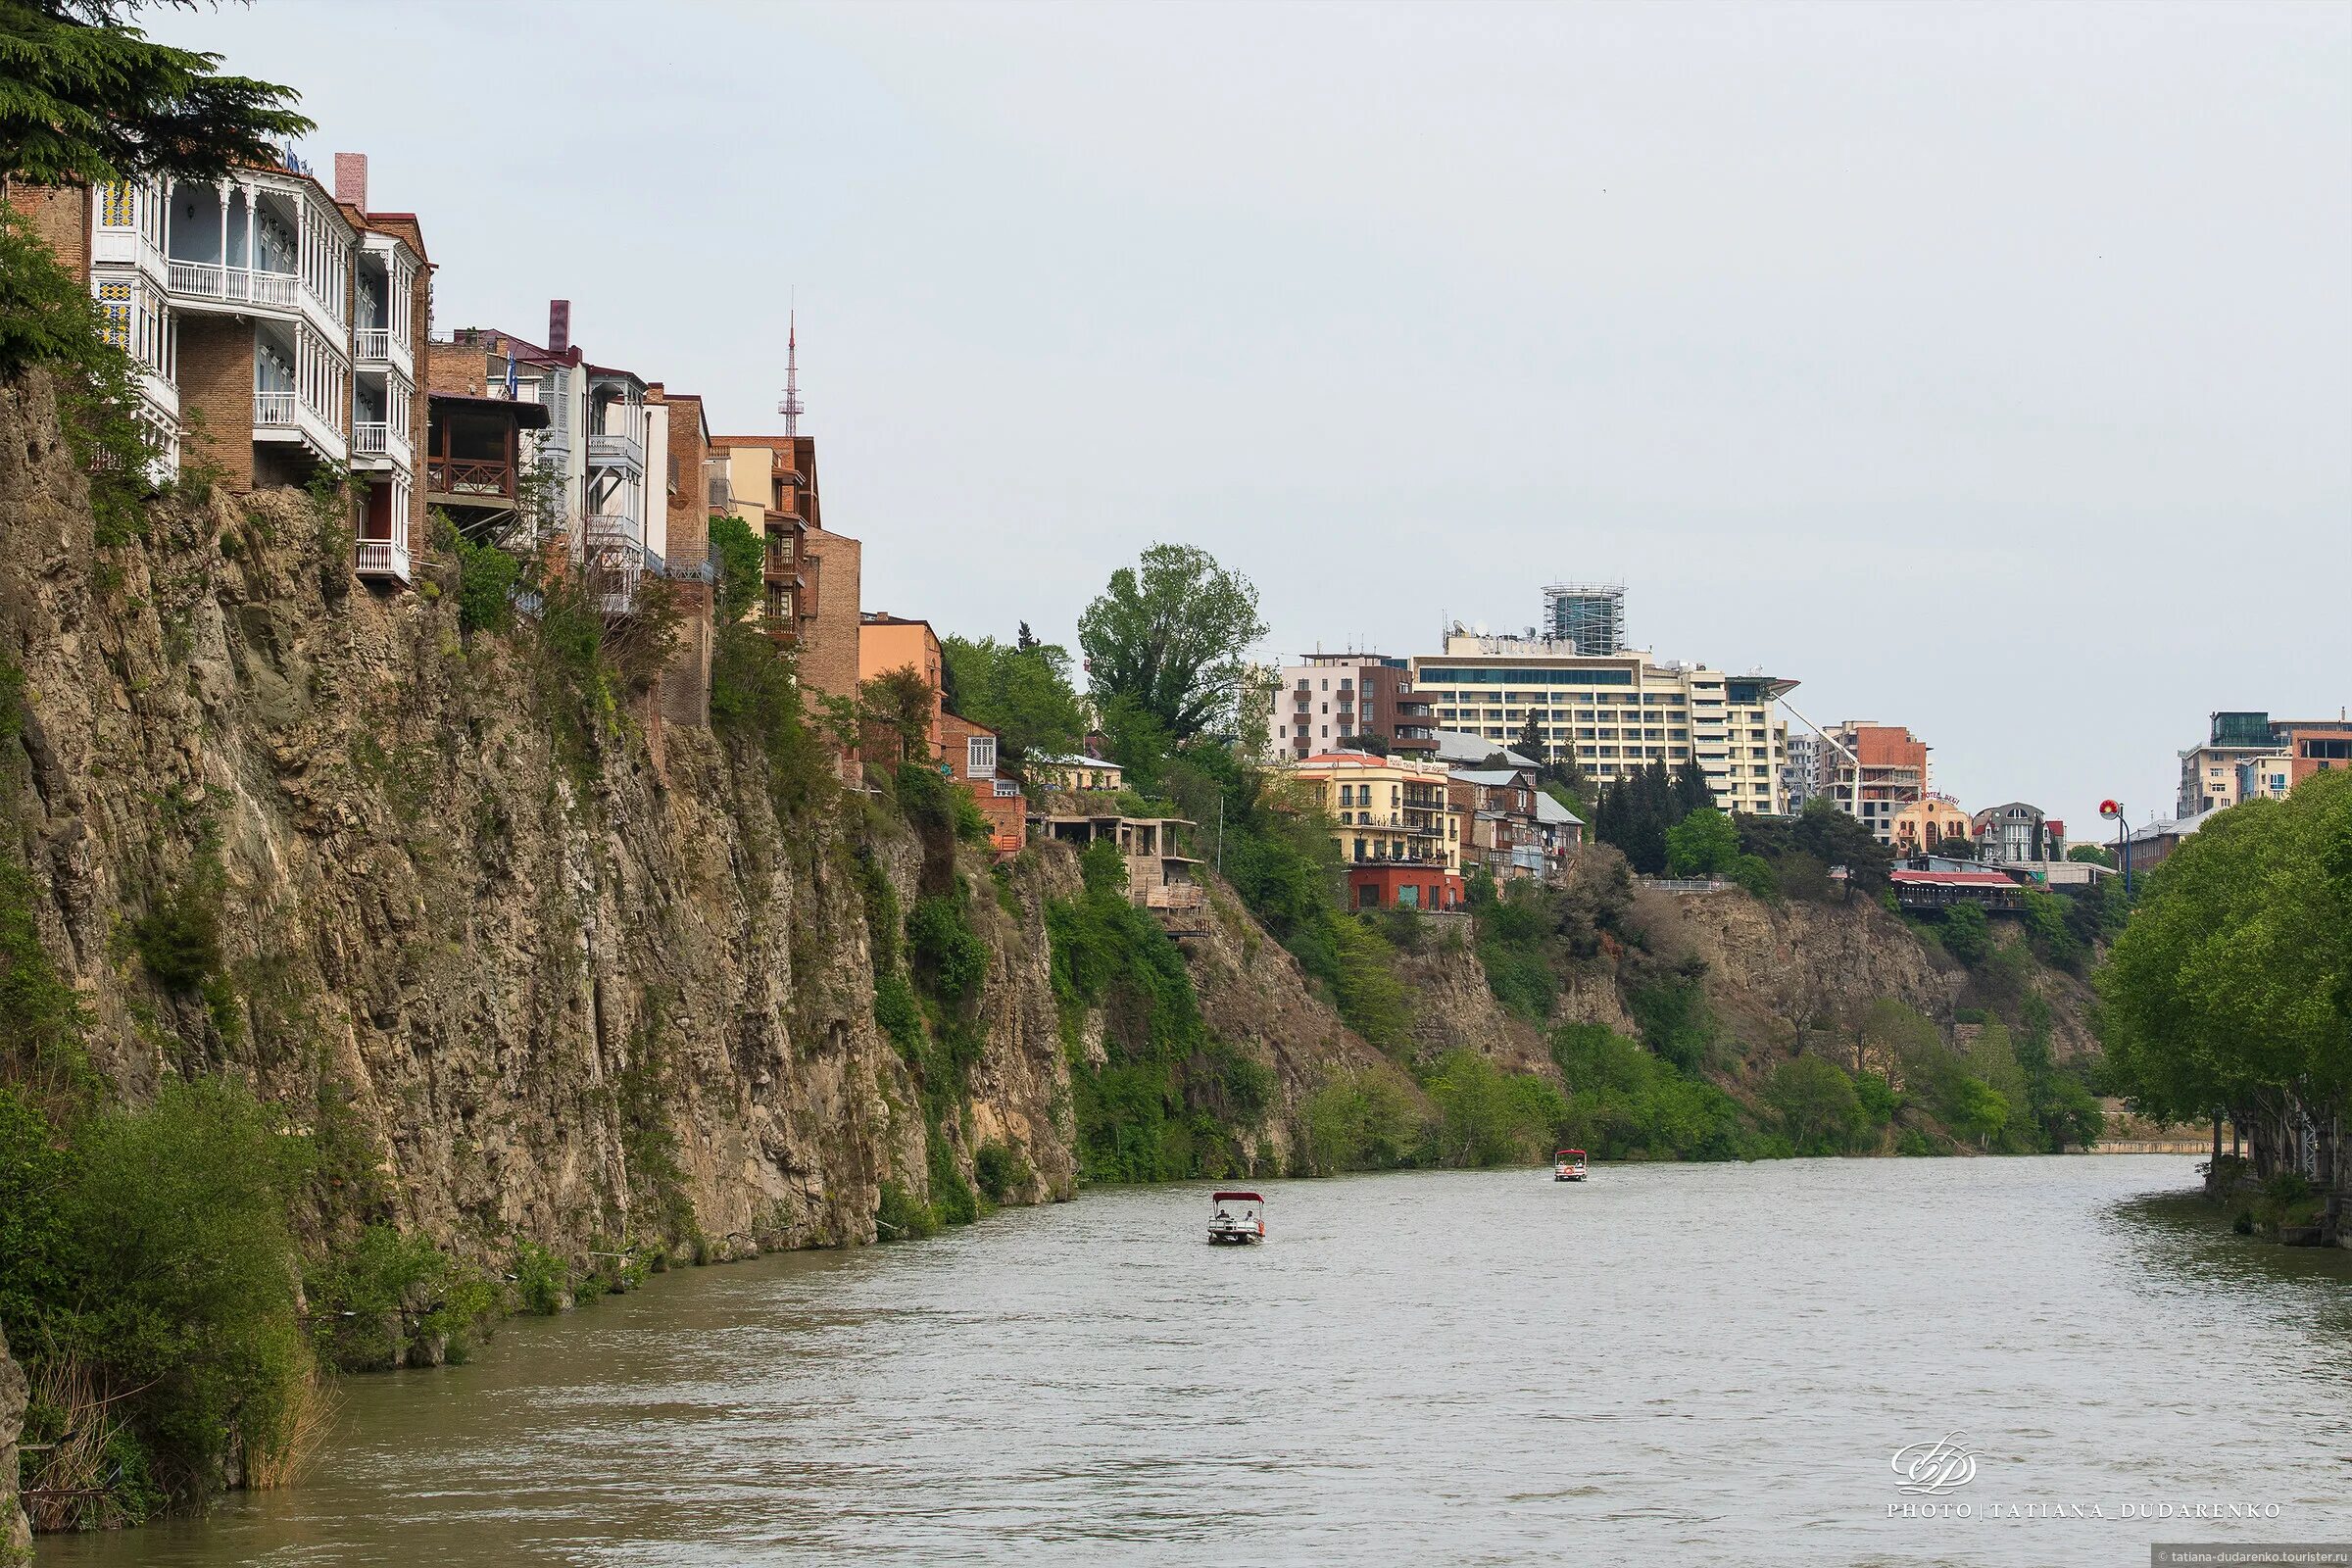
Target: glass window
{"points": [[980, 757]]}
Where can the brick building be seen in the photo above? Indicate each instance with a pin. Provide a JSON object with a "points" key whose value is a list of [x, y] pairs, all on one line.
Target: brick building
{"points": [[274, 326], [968, 756], [811, 574]]}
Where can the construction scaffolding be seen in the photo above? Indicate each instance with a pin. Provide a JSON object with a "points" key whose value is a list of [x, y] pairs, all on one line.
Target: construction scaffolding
{"points": [[1589, 614]]}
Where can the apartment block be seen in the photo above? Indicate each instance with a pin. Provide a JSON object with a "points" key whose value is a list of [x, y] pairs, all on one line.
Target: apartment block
{"points": [[1615, 713], [1872, 771], [2250, 756], [1390, 814], [275, 325], [812, 575], [1329, 702]]}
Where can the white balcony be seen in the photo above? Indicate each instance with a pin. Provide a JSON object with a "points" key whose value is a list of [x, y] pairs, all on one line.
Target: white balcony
{"points": [[274, 410], [371, 438], [200, 281], [381, 558], [617, 452], [374, 343]]}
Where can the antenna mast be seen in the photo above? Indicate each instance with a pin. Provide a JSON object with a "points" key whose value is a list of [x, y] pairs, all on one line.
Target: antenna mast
{"points": [[790, 408]]}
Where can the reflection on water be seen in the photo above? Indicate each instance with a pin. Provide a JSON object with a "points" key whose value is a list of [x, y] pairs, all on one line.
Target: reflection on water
{"points": [[1668, 1364]]}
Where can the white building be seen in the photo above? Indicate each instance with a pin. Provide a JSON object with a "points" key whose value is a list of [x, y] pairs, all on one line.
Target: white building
{"points": [[1616, 713]]}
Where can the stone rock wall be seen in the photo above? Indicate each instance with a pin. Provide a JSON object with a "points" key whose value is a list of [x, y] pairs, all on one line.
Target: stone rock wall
{"points": [[505, 945], [15, 1536]]}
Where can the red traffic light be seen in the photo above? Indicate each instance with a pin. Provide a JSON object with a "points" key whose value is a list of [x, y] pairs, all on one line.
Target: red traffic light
{"points": [[2111, 807]]}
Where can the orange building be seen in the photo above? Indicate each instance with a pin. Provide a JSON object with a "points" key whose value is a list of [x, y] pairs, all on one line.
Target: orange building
{"points": [[888, 643]]}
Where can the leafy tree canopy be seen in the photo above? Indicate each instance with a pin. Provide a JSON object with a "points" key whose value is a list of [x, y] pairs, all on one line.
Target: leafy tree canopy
{"points": [[1021, 690], [85, 97], [1168, 634]]}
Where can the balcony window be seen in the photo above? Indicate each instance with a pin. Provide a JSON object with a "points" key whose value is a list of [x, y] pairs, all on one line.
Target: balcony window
{"points": [[980, 757]]}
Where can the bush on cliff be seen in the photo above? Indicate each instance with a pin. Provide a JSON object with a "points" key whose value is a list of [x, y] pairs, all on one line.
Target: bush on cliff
{"points": [[1626, 1103], [149, 1270], [1168, 1100]]}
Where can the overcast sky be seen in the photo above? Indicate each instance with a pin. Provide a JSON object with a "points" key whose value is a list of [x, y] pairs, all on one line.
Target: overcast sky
{"points": [[1985, 368]]}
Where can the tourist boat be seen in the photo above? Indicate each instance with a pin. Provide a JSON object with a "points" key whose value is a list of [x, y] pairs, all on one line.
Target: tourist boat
{"points": [[1239, 1217], [1568, 1166]]}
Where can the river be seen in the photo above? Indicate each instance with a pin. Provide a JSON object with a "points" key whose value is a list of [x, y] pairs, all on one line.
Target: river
{"points": [[1671, 1364]]}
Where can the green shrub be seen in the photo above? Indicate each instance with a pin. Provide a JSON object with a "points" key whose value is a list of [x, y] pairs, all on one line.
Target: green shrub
{"points": [[542, 1280], [899, 1217], [1819, 1110], [179, 940], [164, 1269], [972, 824], [952, 1197], [1626, 1103], [1486, 1116], [1672, 1014], [1965, 933], [950, 961], [1000, 1170], [487, 580], [1359, 1121]]}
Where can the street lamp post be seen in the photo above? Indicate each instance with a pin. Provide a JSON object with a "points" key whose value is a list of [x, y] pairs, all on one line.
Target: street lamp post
{"points": [[2122, 840]]}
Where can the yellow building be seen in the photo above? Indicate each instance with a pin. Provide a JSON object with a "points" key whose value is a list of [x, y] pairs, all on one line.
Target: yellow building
{"points": [[1923, 825], [1616, 713], [1075, 774], [1384, 809]]}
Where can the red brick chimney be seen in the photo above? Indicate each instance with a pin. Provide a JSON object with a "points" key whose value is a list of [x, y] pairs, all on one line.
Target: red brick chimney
{"points": [[559, 326], [351, 179]]}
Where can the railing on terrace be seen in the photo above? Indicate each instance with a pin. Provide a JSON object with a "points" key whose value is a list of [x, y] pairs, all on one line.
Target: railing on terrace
{"points": [[370, 437], [382, 558], [272, 408], [236, 284], [607, 450], [373, 342], [463, 476], [1684, 884], [689, 563]]}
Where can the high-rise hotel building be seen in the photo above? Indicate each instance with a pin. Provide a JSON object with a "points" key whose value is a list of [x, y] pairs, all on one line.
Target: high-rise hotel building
{"points": [[1616, 713]]}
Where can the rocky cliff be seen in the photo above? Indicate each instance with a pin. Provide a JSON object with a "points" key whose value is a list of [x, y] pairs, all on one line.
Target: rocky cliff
{"points": [[504, 947], [15, 1536]]}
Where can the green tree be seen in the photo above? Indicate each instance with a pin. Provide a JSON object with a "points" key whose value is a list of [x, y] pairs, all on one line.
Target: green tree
{"points": [[1168, 635], [1531, 744], [2095, 855], [1816, 1103], [1021, 690], [902, 703], [1702, 843], [1966, 933], [84, 98], [2231, 984], [741, 557]]}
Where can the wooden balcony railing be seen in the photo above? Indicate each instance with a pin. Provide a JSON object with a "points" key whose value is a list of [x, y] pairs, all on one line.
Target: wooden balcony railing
{"points": [[466, 477], [272, 408]]}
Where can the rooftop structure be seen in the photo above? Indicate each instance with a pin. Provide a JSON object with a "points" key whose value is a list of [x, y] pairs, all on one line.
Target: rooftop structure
{"points": [[1588, 615]]}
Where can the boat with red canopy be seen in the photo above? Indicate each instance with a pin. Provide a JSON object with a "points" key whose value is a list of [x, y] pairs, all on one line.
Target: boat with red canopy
{"points": [[1568, 1166], [1238, 1217]]}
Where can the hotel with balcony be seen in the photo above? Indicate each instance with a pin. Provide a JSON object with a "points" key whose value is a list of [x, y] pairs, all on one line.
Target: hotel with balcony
{"points": [[1615, 713], [1392, 818], [273, 326]]}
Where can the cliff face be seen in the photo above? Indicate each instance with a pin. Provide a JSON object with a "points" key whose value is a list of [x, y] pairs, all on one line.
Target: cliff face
{"points": [[15, 1536], [512, 953], [1773, 971]]}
